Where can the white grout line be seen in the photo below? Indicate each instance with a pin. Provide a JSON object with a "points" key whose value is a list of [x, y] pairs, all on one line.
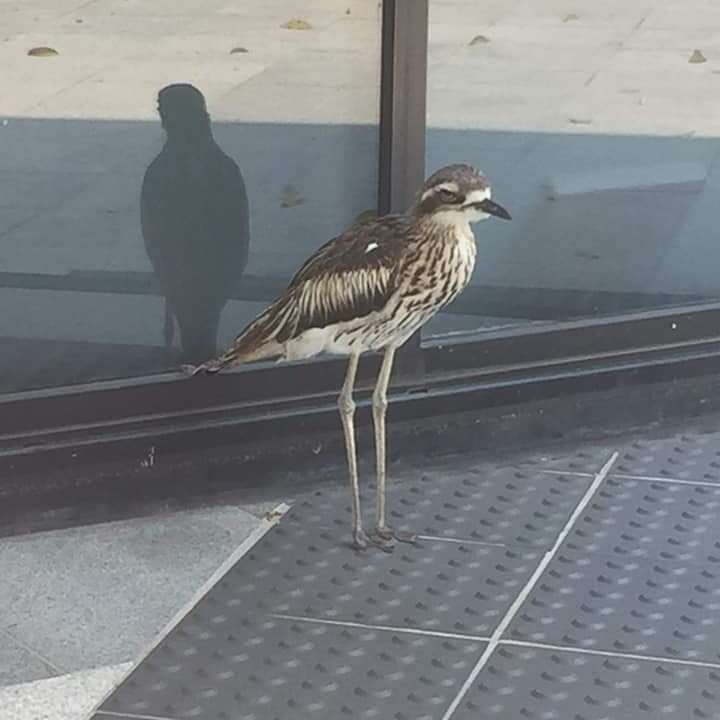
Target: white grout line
{"points": [[29, 649], [610, 654], [646, 478], [668, 481], [572, 473], [269, 521], [525, 592], [513, 643], [387, 628], [461, 541]]}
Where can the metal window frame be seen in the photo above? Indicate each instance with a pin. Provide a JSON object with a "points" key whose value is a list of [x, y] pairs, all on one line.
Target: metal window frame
{"points": [[58, 436]]}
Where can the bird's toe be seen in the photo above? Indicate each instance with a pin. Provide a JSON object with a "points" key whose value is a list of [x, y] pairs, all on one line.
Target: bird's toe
{"points": [[391, 534], [363, 540], [360, 540], [382, 540]]}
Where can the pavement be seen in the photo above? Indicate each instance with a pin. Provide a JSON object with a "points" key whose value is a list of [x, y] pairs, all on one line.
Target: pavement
{"points": [[78, 604], [568, 579], [577, 581]]}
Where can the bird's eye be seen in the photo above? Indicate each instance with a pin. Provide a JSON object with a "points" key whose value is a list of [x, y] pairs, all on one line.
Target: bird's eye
{"points": [[446, 195]]}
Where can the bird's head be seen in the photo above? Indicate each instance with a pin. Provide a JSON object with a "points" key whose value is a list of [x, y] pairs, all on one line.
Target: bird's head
{"points": [[183, 110], [458, 194]]}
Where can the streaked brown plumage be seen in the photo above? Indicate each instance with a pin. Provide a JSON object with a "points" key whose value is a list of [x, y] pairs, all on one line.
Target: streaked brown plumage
{"points": [[370, 289]]}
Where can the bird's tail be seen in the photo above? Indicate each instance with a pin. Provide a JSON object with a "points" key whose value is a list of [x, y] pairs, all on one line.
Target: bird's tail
{"points": [[249, 346]]}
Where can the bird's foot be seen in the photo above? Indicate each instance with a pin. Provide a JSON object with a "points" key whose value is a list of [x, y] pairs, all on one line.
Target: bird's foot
{"points": [[361, 541], [390, 534]]}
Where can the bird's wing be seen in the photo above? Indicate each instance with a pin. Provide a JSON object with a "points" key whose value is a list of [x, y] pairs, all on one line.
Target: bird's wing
{"points": [[347, 278]]}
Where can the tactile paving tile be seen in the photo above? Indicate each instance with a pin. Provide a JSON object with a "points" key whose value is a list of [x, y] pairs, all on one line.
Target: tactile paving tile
{"points": [[535, 684], [637, 519], [587, 460], [685, 456], [507, 506], [449, 587], [639, 573], [659, 608], [217, 667]]}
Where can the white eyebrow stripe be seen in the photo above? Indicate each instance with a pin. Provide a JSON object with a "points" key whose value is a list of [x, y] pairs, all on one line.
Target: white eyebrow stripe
{"points": [[372, 246], [450, 185]]}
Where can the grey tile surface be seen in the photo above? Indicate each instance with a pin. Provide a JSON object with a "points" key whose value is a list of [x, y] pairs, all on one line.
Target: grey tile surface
{"points": [[502, 505], [440, 586], [607, 602], [97, 595], [587, 459], [639, 573], [540, 684], [651, 521], [602, 611], [693, 455], [263, 668], [19, 664]]}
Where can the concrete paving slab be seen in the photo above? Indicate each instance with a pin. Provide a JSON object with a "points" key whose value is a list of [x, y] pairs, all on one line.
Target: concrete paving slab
{"points": [[19, 663], [94, 596], [68, 697]]}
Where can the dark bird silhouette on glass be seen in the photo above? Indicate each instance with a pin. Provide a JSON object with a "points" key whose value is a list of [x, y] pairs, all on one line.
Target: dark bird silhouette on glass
{"points": [[195, 222], [369, 290]]}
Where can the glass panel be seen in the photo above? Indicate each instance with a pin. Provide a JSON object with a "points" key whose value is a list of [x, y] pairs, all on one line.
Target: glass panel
{"points": [[292, 91], [597, 125]]}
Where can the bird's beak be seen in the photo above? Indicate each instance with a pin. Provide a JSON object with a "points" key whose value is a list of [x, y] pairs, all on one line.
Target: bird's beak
{"points": [[492, 208]]}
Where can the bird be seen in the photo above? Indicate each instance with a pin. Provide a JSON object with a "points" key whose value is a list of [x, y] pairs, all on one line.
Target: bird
{"points": [[194, 214], [368, 290]]}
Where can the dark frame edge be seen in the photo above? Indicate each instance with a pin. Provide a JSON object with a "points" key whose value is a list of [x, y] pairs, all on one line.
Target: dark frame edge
{"points": [[403, 90], [236, 458]]}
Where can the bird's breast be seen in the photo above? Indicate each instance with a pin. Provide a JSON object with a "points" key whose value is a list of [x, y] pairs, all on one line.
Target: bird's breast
{"points": [[440, 269]]}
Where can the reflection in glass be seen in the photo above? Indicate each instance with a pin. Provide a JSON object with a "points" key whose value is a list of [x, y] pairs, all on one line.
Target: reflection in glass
{"points": [[600, 128], [195, 222], [83, 285]]}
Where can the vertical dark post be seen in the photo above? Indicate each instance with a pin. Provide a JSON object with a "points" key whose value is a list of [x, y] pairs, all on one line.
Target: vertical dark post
{"points": [[402, 103], [403, 89]]}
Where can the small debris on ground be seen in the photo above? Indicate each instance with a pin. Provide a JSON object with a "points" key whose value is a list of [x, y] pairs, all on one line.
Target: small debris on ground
{"points": [[297, 24], [42, 52], [697, 57], [290, 197]]}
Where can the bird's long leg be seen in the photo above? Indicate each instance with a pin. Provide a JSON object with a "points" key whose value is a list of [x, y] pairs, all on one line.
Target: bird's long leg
{"points": [[379, 404], [347, 412]]}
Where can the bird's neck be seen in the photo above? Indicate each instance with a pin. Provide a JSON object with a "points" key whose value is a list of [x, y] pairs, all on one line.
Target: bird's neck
{"points": [[444, 226]]}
